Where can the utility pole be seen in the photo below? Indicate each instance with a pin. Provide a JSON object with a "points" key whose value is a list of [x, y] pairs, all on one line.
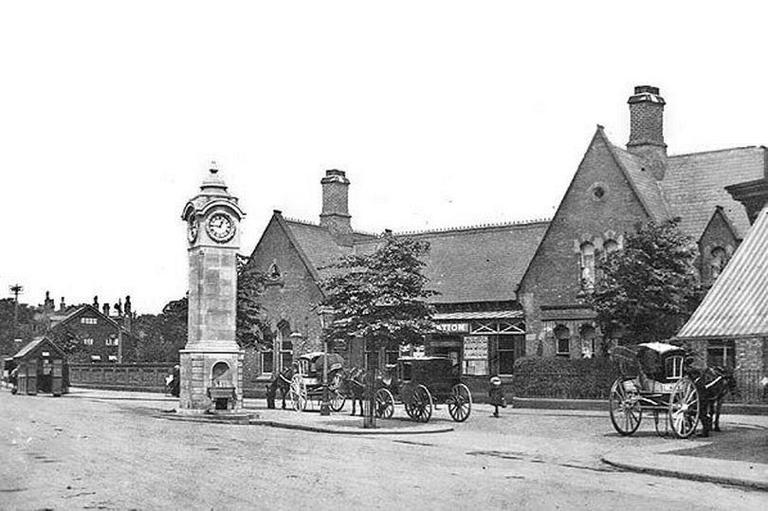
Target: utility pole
{"points": [[16, 289]]}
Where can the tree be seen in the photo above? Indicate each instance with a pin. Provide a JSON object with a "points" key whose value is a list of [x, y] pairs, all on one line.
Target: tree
{"points": [[24, 327], [651, 287], [250, 328], [380, 297]]}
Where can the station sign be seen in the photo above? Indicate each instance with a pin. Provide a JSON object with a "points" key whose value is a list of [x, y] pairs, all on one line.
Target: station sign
{"points": [[453, 328]]}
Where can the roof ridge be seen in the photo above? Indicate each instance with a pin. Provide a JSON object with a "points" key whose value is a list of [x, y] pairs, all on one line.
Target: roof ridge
{"points": [[442, 230], [724, 149], [315, 224]]}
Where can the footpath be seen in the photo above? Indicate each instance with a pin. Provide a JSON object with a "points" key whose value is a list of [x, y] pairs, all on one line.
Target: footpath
{"points": [[661, 460]]}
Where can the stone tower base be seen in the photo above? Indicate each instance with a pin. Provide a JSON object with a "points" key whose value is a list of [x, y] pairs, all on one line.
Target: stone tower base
{"points": [[211, 381]]}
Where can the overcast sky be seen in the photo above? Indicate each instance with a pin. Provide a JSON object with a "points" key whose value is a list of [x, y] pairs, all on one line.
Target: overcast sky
{"points": [[441, 113]]}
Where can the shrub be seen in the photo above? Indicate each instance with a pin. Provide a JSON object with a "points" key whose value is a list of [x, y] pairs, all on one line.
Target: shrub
{"points": [[563, 378]]}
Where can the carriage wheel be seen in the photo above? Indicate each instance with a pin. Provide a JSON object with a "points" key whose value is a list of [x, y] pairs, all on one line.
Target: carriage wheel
{"points": [[626, 413], [385, 404], [298, 393], [337, 400], [661, 424], [684, 408], [460, 402], [421, 404]]}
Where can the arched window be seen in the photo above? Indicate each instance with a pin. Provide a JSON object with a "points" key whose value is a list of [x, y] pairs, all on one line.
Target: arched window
{"points": [[610, 246], [717, 262], [587, 266], [563, 340], [587, 341]]}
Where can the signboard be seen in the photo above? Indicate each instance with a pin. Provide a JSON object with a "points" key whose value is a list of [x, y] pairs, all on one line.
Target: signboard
{"points": [[475, 347], [453, 327]]}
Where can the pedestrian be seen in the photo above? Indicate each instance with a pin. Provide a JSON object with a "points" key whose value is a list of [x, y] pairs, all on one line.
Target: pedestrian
{"points": [[13, 379], [176, 381], [496, 395]]}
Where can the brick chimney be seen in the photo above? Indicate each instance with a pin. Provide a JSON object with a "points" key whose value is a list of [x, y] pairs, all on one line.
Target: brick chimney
{"points": [[646, 129], [335, 215]]}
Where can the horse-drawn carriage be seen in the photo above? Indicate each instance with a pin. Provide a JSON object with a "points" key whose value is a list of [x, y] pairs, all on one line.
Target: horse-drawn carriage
{"points": [[306, 384], [655, 377], [420, 383]]}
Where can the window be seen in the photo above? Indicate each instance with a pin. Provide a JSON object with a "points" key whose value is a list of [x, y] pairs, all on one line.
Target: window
{"points": [[674, 368], [371, 355], [111, 341], [286, 352], [717, 263], [88, 321], [88, 341], [391, 354], [113, 358], [610, 246], [507, 354], [563, 340], [722, 353], [95, 358], [588, 347], [267, 361], [587, 266]]}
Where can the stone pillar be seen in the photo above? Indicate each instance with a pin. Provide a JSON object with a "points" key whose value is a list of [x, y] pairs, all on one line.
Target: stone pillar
{"points": [[212, 362]]}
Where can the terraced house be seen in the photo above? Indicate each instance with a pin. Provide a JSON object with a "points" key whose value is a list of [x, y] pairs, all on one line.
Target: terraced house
{"points": [[518, 289]]}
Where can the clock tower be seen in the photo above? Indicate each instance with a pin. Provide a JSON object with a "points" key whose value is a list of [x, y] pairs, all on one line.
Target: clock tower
{"points": [[212, 362]]}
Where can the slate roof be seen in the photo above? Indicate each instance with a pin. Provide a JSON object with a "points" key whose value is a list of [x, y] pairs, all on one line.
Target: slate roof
{"points": [[737, 304], [694, 185], [643, 181], [37, 341], [482, 263], [473, 264]]}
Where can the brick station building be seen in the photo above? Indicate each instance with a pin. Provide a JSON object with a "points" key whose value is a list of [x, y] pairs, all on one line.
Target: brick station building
{"points": [[519, 289]]}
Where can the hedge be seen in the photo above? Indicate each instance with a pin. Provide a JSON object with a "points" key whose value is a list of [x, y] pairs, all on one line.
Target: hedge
{"points": [[563, 378]]}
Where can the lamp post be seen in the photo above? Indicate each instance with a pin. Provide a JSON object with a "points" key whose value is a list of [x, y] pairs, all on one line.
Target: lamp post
{"points": [[325, 408]]}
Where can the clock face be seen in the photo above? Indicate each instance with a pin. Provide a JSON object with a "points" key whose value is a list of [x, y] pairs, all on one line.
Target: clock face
{"points": [[193, 226], [221, 228]]}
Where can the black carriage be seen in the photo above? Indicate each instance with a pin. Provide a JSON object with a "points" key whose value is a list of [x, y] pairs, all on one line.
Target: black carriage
{"points": [[654, 378], [307, 382], [420, 383]]}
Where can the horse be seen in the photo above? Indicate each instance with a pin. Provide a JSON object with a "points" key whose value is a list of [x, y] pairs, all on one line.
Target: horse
{"points": [[355, 382], [281, 382], [713, 383]]}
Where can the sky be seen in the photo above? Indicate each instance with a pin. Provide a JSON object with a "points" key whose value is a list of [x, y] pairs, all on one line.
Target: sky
{"points": [[441, 113]]}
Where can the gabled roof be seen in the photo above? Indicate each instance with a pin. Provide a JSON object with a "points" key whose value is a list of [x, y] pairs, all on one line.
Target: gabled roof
{"points": [[77, 312], [317, 243], [737, 304], [37, 341], [694, 184]]}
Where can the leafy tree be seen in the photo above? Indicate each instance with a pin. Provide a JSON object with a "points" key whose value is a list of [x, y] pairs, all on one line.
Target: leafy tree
{"points": [[25, 326], [251, 328], [651, 287], [380, 297]]}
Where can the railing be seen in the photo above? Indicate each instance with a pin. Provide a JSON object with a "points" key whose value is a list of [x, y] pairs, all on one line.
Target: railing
{"points": [[751, 387], [149, 376]]}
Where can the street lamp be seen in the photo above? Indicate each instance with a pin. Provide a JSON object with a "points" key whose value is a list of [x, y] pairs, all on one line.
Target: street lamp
{"points": [[325, 408]]}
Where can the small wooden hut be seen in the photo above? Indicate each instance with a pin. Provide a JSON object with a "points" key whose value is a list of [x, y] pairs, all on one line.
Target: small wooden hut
{"points": [[42, 367]]}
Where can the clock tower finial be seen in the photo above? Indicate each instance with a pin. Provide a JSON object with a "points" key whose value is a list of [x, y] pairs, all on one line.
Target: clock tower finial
{"points": [[214, 167]]}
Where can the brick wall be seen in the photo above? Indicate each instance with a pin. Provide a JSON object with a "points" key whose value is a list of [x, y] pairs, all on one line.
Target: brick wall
{"points": [[139, 377], [293, 299], [554, 275]]}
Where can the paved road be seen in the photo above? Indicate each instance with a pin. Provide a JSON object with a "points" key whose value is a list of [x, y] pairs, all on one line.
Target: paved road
{"points": [[80, 452]]}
